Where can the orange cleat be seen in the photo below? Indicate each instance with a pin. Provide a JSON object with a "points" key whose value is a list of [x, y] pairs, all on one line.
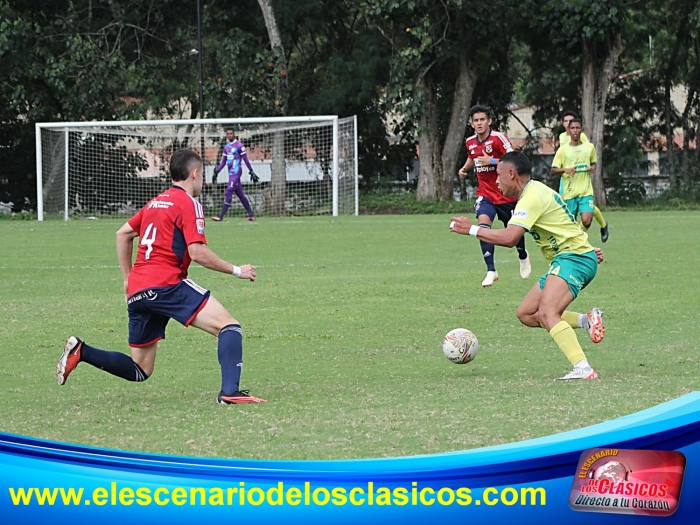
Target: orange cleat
{"points": [[594, 327], [238, 398]]}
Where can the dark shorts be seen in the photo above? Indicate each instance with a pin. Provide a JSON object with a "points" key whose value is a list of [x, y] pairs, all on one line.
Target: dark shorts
{"points": [[483, 206], [151, 309]]}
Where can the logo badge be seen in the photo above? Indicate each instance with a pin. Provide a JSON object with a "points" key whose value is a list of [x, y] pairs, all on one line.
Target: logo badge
{"points": [[622, 481], [200, 226]]}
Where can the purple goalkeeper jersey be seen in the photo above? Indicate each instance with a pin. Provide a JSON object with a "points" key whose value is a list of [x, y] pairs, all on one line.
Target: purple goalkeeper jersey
{"points": [[233, 153]]}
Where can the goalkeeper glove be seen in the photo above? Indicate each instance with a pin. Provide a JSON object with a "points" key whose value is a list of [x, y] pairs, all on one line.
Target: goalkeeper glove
{"points": [[254, 177]]}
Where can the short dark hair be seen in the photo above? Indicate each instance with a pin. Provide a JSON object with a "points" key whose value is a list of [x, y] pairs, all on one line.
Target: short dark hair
{"points": [[519, 161], [479, 109], [575, 120], [230, 129], [182, 162], [569, 113]]}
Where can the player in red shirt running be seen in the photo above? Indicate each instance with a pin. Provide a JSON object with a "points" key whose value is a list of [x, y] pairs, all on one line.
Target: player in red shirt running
{"points": [[170, 229], [483, 151]]}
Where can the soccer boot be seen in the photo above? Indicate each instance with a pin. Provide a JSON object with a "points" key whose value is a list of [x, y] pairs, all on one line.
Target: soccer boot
{"points": [[579, 373], [594, 325], [238, 398], [604, 233], [491, 277], [525, 267], [250, 218], [216, 218], [69, 360]]}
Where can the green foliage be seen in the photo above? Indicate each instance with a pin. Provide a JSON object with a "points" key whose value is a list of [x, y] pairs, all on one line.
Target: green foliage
{"points": [[627, 192], [124, 59], [65, 61]]}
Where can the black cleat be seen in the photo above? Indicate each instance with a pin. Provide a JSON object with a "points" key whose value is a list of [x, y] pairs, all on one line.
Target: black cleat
{"points": [[604, 233]]}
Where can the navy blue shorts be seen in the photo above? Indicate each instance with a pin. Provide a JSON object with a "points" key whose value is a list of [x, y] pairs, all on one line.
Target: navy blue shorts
{"points": [[483, 206], [151, 309]]}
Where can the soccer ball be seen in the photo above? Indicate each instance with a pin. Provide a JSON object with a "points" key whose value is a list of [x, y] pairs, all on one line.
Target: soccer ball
{"points": [[460, 346]]}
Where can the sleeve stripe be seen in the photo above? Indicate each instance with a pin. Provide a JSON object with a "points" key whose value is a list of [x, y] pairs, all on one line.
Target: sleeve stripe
{"points": [[518, 224], [506, 143], [198, 211]]}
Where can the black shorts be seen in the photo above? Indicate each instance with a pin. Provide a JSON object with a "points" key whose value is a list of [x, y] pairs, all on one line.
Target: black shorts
{"points": [[152, 308]]}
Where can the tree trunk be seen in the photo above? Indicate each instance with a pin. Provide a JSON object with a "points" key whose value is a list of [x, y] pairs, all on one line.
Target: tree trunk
{"points": [[429, 144], [687, 134], [454, 139], [275, 37], [278, 171], [597, 77], [668, 73], [588, 86]]}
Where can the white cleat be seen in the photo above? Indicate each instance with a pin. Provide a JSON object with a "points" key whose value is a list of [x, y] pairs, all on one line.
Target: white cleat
{"points": [[579, 373], [491, 277], [525, 267]]}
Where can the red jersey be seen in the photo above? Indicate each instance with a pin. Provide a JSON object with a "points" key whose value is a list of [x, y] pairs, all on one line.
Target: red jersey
{"points": [[496, 145], [167, 225]]}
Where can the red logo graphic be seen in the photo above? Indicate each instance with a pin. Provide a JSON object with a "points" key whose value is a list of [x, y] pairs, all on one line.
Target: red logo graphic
{"points": [[619, 481]]}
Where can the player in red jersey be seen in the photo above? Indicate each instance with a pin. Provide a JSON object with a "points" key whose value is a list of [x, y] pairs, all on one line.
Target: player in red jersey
{"points": [[170, 229], [483, 151]]}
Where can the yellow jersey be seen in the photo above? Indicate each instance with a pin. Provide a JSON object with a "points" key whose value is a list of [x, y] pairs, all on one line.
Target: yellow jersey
{"points": [[581, 158], [543, 213], [565, 138]]}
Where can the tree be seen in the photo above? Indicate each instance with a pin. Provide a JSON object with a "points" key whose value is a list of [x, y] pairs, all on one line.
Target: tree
{"points": [[79, 60], [676, 61], [426, 38], [441, 52], [593, 31], [277, 48]]}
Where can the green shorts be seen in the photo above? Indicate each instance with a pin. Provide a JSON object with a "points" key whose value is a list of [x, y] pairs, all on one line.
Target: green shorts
{"points": [[577, 269], [579, 205]]}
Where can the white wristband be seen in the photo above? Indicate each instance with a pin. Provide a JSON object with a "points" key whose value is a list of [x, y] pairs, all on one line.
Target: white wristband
{"points": [[473, 230], [236, 271]]}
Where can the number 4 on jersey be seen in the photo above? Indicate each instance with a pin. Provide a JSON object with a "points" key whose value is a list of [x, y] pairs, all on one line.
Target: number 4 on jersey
{"points": [[148, 239]]}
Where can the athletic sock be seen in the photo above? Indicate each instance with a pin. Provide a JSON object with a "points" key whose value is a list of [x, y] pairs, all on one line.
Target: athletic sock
{"points": [[487, 250], [598, 216], [565, 337], [230, 352], [583, 363], [116, 363], [572, 318]]}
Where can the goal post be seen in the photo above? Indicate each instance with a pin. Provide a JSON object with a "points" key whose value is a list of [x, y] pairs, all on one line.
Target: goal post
{"points": [[306, 165]]}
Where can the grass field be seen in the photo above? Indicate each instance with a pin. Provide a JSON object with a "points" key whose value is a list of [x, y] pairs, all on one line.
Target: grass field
{"points": [[342, 335]]}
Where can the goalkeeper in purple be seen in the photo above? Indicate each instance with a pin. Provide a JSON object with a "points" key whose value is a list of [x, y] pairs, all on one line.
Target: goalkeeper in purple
{"points": [[234, 152]]}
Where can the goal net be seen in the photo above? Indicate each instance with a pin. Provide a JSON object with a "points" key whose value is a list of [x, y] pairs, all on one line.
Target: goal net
{"points": [[306, 165]]}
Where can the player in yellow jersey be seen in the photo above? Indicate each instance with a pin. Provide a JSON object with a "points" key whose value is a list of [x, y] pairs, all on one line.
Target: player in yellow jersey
{"points": [[574, 162], [573, 262], [565, 136], [564, 139]]}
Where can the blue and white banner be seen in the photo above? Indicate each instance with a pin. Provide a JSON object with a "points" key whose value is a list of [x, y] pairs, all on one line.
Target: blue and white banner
{"points": [[530, 481]]}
